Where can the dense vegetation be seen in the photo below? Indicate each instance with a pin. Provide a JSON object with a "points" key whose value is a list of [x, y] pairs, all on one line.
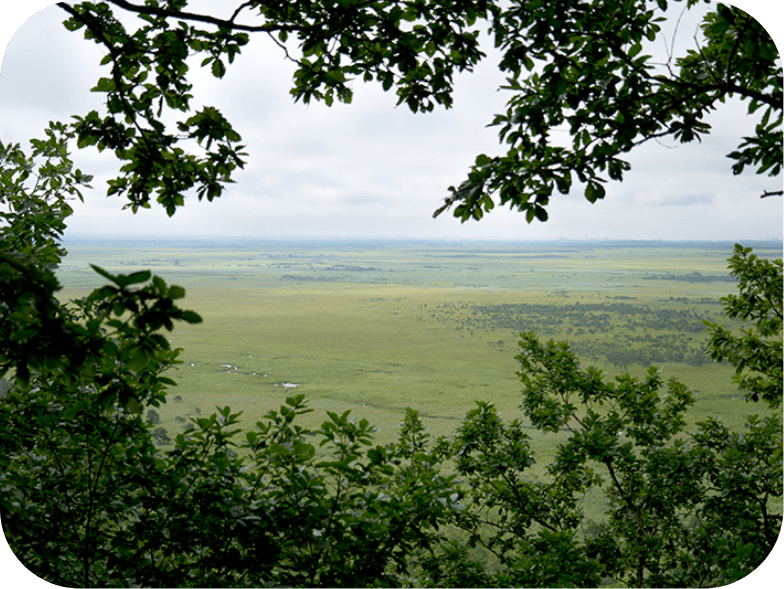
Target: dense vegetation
{"points": [[88, 497], [629, 327]]}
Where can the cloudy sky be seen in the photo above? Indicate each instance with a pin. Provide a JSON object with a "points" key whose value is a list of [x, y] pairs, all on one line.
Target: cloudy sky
{"points": [[369, 169]]}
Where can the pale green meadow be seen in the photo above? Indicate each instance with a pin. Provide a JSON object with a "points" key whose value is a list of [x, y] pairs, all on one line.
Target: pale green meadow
{"points": [[375, 327]]}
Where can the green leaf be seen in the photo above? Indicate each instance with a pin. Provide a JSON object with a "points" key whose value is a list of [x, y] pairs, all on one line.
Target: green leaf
{"points": [[105, 273], [218, 69], [482, 160], [135, 278], [134, 406], [176, 292], [594, 191], [23, 334], [104, 85], [564, 182], [190, 317]]}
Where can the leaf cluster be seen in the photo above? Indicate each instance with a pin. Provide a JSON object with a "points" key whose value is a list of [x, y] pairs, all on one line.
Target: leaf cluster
{"points": [[575, 68], [34, 194], [682, 508], [579, 69], [756, 352], [414, 46], [147, 79], [109, 507]]}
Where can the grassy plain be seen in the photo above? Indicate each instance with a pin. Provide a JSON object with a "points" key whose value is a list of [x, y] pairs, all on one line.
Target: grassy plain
{"points": [[374, 327]]}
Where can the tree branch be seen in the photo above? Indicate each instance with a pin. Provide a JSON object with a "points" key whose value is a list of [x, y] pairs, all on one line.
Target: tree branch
{"points": [[130, 113], [192, 16]]}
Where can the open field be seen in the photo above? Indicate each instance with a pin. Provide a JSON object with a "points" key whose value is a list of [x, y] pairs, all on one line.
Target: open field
{"points": [[375, 327]]}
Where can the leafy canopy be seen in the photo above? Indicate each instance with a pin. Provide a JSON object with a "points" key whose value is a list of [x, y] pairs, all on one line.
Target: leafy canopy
{"points": [[572, 65], [415, 47], [755, 353], [581, 66]]}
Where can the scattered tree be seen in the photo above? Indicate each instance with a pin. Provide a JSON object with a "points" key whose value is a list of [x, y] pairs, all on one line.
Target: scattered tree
{"points": [[161, 435]]}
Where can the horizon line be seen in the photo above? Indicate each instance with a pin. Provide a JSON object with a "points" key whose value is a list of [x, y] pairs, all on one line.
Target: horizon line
{"points": [[195, 237]]}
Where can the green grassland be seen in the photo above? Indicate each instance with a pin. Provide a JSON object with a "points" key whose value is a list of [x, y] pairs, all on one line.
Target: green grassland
{"points": [[374, 327]]}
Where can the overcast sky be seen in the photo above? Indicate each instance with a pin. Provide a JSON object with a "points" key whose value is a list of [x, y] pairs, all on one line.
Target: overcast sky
{"points": [[369, 169]]}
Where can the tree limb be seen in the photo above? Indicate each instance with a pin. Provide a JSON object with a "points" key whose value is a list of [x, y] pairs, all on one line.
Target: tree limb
{"points": [[192, 16]]}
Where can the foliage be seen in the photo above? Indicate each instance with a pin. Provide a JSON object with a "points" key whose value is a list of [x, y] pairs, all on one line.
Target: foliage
{"points": [[684, 509], [581, 66], [88, 499], [33, 209], [756, 352], [414, 46], [574, 63], [81, 373]]}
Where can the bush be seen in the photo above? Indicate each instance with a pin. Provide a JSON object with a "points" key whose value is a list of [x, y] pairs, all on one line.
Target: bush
{"points": [[161, 436]]}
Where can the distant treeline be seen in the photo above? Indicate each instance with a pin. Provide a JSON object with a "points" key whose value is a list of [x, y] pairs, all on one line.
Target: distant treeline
{"points": [[345, 268], [620, 333], [605, 317], [308, 278], [623, 351], [700, 301], [693, 277]]}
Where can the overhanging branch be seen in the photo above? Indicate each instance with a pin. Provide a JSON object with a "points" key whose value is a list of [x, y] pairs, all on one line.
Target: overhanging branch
{"points": [[195, 17]]}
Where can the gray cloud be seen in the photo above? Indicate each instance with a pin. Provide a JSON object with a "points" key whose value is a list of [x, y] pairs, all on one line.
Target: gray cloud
{"points": [[686, 201]]}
